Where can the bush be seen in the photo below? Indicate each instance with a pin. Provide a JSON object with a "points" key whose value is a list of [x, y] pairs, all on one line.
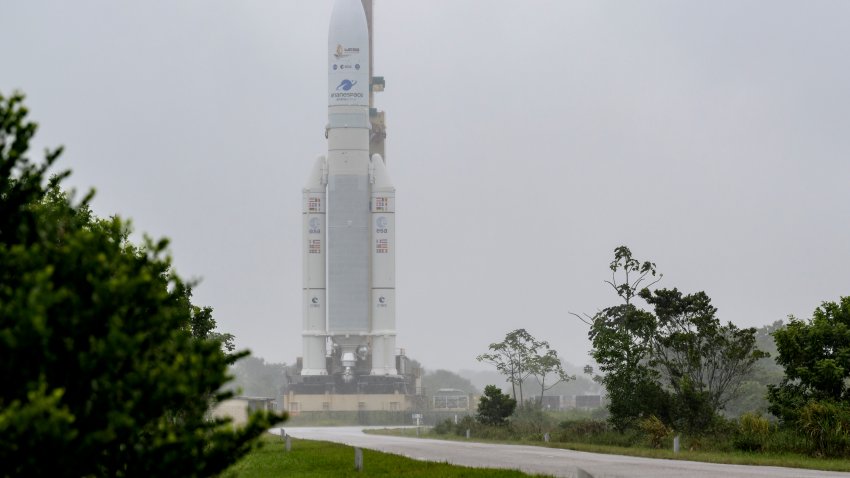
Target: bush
{"points": [[827, 425], [494, 407], [752, 433], [529, 422], [655, 430], [108, 368], [582, 428], [444, 427]]}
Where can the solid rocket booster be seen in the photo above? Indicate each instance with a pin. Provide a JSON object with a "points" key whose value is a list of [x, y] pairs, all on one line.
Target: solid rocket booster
{"points": [[348, 219]]}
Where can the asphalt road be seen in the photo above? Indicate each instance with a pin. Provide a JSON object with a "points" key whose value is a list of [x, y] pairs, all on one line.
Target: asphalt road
{"points": [[550, 461]]}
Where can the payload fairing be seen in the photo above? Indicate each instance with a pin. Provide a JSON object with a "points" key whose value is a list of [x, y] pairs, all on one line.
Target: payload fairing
{"points": [[349, 223]]}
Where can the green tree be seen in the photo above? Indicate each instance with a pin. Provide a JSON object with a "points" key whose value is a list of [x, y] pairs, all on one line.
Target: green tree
{"points": [[494, 407], [621, 338], [679, 363], [546, 364], [521, 356], [102, 375], [815, 355], [512, 358], [701, 360]]}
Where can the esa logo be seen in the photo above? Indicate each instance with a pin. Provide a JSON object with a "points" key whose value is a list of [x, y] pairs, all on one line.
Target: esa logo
{"points": [[314, 226], [381, 222]]}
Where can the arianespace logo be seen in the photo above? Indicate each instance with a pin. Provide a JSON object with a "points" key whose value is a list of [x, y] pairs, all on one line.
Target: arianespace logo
{"points": [[346, 85], [343, 90], [382, 301]]}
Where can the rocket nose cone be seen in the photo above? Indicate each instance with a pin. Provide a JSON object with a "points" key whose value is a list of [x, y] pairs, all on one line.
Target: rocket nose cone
{"points": [[348, 55], [348, 17]]}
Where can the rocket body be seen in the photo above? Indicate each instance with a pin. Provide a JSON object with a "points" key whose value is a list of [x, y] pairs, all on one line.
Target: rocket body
{"points": [[349, 205]]}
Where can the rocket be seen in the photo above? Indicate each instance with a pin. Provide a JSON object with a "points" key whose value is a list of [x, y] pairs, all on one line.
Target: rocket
{"points": [[348, 223]]}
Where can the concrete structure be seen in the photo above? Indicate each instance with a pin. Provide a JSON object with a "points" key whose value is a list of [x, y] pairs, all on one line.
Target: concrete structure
{"points": [[352, 402], [238, 408]]}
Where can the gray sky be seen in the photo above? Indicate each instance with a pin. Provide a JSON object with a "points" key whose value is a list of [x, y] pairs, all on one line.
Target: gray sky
{"points": [[526, 141]]}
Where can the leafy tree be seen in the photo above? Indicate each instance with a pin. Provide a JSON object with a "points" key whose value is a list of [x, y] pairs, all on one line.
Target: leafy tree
{"points": [[102, 375], [547, 364], [679, 363], [816, 357], [494, 407], [520, 356], [702, 361], [621, 337]]}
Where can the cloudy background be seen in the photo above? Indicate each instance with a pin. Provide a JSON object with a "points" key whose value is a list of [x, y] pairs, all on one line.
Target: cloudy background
{"points": [[526, 141]]}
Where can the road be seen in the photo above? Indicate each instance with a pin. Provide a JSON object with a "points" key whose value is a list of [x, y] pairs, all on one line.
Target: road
{"points": [[550, 461]]}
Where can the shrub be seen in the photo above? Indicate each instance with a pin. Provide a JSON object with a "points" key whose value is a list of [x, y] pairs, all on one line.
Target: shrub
{"points": [[655, 430], [444, 427], [530, 422], [827, 425], [752, 433], [494, 407], [582, 428]]}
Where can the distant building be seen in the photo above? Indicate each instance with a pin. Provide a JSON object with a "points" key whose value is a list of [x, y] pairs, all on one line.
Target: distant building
{"points": [[450, 400], [553, 402], [238, 408], [588, 401]]}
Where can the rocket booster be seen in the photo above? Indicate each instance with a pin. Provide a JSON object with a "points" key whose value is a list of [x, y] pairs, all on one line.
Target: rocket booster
{"points": [[348, 220]]}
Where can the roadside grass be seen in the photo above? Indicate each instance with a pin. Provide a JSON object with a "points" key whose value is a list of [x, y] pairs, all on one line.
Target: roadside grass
{"points": [[787, 460], [317, 459]]}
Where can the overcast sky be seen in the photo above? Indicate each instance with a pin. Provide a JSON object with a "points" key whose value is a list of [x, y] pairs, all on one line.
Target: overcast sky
{"points": [[526, 140]]}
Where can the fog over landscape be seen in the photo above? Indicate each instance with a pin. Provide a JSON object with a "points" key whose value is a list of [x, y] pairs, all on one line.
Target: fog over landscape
{"points": [[526, 140]]}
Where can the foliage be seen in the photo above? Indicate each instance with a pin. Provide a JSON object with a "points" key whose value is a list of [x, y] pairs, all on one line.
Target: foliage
{"points": [[545, 364], [512, 358], [679, 364], [693, 349], [655, 430], [815, 355], [621, 338], [494, 407], [444, 427], [520, 356], [827, 425], [102, 373], [753, 431]]}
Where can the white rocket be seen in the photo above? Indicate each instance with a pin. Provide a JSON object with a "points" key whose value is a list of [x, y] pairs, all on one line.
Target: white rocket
{"points": [[349, 222]]}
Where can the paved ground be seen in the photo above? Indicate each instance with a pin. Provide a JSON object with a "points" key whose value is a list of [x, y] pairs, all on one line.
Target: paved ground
{"points": [[549, 461]]}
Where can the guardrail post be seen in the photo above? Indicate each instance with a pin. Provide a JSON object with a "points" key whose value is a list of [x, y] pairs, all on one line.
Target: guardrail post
{"points": [[288, 443], [676, 444], [467, 433], [358, 459]]}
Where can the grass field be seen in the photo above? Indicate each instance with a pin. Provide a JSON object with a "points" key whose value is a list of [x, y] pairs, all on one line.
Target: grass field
{"points": [[789, 460], [309, 459]]}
